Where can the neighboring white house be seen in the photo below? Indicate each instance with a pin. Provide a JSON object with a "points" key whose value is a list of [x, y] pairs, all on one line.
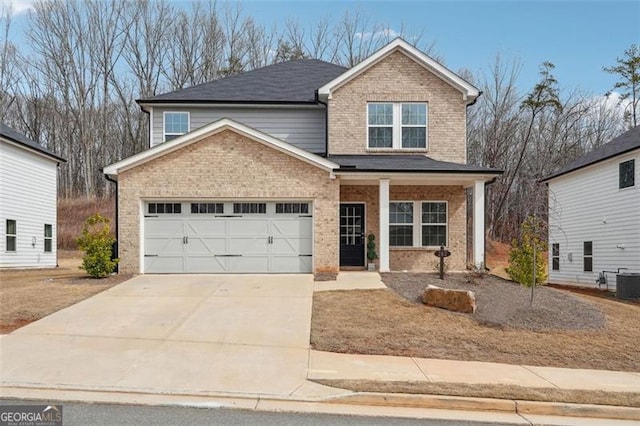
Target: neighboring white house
{"points": [[594, 214], [28, 195]]}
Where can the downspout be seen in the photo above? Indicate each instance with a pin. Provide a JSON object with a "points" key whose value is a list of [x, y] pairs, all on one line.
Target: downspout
{"points": [[326, 124], [115, 250]]}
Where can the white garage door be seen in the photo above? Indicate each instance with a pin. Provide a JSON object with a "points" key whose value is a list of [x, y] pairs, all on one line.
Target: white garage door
{"points": [[228, 237]]}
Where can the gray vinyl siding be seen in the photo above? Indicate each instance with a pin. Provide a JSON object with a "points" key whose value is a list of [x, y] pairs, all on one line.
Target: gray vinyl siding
{"points": [[302, 127], [587, 205], [28, 195]]}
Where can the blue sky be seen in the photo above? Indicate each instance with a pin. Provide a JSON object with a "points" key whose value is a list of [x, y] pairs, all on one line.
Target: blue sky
{"points": [[579, 37]]}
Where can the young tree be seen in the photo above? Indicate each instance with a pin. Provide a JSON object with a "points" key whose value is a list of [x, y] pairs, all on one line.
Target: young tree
{"points": [[528, 254], [96, 241], [628, 69]]}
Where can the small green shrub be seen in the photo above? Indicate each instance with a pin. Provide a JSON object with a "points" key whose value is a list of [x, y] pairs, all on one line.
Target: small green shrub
{"points": [[96, 241], [521, 255], [371, 248]]}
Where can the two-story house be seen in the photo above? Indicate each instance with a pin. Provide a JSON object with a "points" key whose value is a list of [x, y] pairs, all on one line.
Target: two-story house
{"points": [[288, 168], [28, 202], [594, 214]]}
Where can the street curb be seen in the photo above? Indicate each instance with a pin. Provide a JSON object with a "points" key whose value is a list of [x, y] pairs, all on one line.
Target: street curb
{"points": [[372, 399], [490, 404]]}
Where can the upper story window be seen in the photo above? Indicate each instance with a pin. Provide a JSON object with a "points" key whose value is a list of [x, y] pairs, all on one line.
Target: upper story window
{"points": [[626, 173], [397, 125], [175, 124]]}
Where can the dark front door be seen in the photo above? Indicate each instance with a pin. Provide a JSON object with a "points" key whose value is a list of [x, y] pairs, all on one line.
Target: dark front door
{"points": [[352, 239]]}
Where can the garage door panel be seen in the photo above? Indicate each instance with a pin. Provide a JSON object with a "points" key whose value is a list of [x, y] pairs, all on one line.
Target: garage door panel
{"points": [[206, 226], [206, 264], [204, 245], [163, 227], [164, 264], [245, 226], [248, 245], [290, 246], [292, 226], [291, 264], [248, 264]]}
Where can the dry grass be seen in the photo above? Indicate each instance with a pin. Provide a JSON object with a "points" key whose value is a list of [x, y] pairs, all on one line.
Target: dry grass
{"points": [[381, 322], [498, 258], [26, 295], [621, 399], [72, 212]]}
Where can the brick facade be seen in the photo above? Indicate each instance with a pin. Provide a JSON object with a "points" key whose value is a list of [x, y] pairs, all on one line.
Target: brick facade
{"points": [[416, 259], [399, 78], [228, 166]]}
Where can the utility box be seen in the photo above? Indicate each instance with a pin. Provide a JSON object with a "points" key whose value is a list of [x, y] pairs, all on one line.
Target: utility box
{"points": [[628, 286]]}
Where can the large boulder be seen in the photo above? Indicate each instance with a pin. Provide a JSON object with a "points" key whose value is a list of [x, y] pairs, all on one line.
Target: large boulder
{"points": [[453, 300]]}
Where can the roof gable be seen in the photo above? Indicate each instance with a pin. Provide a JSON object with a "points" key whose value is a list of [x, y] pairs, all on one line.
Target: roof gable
{"points": [[9, 134], [624, 143], [211, 129], [469, 91], [288, 82]]}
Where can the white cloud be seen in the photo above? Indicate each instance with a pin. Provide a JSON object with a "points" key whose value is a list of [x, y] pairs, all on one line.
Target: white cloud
{"points": [[384, 33], [612, 102], [18, 7]]}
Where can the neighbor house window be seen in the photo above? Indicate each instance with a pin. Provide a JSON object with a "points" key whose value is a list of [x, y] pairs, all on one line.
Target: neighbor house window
{"points": [[165, 208], [626, 174], [397, 125], [555, 256], [588, 256], [48, 238], [12, 231], [434, 224], [401, 224], [175, 124]]}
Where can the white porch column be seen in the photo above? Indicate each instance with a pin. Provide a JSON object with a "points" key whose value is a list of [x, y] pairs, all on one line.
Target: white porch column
{"points": [[383, 241], [478, 223]]}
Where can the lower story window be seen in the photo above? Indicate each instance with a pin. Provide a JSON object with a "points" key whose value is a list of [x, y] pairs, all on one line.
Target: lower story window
{"points": [[249, 208], [11, 232], [284, 208], [555, 256], [215, 208], [587, 248], [401, 224], [48, 238], [434, 224], [165, 208]]}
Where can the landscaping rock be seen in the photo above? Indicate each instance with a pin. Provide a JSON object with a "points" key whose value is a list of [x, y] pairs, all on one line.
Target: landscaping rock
{"points": [[452, 300]]}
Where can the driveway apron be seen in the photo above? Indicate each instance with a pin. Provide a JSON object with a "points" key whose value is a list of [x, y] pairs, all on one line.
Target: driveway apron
{"points": [[191, 334]]}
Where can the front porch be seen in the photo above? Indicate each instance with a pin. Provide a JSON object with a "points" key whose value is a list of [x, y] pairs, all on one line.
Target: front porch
{"points": [[409, 217]]}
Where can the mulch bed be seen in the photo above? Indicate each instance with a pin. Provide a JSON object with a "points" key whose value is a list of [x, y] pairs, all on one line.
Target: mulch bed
{"points": [[504, 304]]}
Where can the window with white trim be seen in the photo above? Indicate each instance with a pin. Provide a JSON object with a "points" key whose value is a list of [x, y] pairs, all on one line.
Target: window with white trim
{"points": [[48, 238], [12, 234], [434, 224], [175, 124], [397, 125], [418, 223], [401, 224]]}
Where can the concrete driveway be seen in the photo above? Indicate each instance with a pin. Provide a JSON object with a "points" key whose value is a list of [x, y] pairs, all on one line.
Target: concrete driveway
{"points": [[245, 334]]}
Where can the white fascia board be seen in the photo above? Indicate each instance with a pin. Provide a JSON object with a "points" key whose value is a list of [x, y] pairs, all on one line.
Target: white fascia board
{"points": [[31, 150], [216, 127], [469, 91]]}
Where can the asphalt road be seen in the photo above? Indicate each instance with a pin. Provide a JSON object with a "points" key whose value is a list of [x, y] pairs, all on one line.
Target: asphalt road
{"points": [[134, 415]]}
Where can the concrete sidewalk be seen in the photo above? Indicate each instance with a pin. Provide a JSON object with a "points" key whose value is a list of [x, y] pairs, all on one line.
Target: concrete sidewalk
{"points": [[333, 366]]}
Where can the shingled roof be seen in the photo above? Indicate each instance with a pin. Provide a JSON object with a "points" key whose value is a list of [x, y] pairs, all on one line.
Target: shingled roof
{"points": [[404, 164], [622, 144], [10, 134], [291, 82]]}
